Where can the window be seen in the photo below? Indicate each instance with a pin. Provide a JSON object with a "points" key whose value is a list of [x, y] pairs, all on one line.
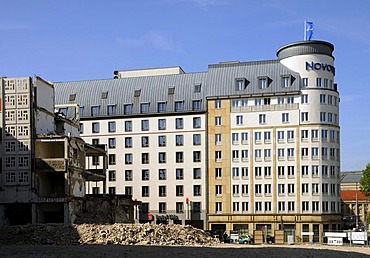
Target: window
{"points": [[128, 158], [258, 189], [235, 190], [285, 81], [161, 124], [179, 157], [111, 127], [217, 104], [217, 120], [179, 140], [179, 173], [179, 123], [285, 117], [196, 139], [179, 106], [179, 207], [291, 188], [197, 88], [267, 172], [244, 137], [305, 82], [112, 159], [196, 156], [196, 105], [239, 120], [144, 108], [112, 175], [280, 136], [304, 99], [162, 140], [290, 100], [196, 173], [162, 174], [305, 188], [128, 126], [128, 175], [144, 141], [262, 119], [258, 172], [281, 189], [112, 190], [290, 171], [95, 110], [304, 153], [325, 83], [179, 190], [315, 134], [112, 143], [245, 207], [145, 125], [162, 207], [304, 135], [281, 206], [218, 172], [315, 171], [257, 102], [162, 191], [218, 138], [196, 122], [322, 99], [95, 127], [196, 207], [111, 109], [218, 156], [235, 207], [267, 101], [145, 174], [144, 158], [145, 191], [290, 136], [245, 190], [162, 157], [218, 207], [258, 206], [280, 100], [318, 82], [267, 154], [197, 190], [127, 109], [262, 83], [128, 190], [240, 84], [257, 136], [315, 152], [245, 155], [95, 142], [281, 154], [81, 129], [304, 116], [281, 171], [290, 152], [218, 190], [162, 106], [305, 206], [315, 206]]}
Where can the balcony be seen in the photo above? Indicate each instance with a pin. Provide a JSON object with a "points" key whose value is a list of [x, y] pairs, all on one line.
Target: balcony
{"points": [[51, 165]]}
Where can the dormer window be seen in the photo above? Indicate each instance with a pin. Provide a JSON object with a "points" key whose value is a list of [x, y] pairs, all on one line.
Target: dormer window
{"points": [[285, 81], [197, 88], [72, 97], [104, 95], [171, 90], [137, 93], [161, 106], [241, 84], [144, 108], [262, 83]]}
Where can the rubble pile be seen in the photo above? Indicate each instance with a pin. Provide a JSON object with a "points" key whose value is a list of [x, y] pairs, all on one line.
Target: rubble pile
{"points": [[115, 234]]}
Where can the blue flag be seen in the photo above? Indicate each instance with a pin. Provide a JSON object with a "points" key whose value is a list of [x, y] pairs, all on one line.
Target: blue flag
{"points": [[309, 30]]}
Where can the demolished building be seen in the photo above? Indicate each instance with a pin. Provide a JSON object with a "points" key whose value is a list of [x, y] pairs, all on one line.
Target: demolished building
{"points": [[45, 164]]}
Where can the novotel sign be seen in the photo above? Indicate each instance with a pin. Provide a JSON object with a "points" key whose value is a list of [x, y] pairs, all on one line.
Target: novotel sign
{"points": [[320, 66]]}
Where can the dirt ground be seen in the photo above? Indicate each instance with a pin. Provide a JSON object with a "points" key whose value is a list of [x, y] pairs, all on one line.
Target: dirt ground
{"points": [[223, 250]]}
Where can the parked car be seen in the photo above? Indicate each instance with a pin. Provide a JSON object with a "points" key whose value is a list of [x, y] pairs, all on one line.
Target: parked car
{"points": [[269, 239], [246, 239]]}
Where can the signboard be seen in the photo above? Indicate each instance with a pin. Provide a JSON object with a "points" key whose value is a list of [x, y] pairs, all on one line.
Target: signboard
{"points": [[355, 236], [335, 241], [335, 234], [307, 233]]}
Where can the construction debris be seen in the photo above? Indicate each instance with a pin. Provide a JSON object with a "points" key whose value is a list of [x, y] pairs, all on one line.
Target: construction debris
{"points": [[115, 234]]}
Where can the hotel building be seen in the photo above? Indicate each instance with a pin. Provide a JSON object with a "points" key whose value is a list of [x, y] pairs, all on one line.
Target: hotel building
{"points": [[244, 145]]}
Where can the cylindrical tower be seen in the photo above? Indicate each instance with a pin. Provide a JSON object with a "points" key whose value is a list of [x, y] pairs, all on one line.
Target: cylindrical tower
{"points": [[319, 130]]}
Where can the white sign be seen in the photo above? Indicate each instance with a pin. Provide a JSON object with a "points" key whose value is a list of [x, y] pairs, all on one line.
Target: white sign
{"points": [[307, 233], [354, 236], [335, 241], [335, 234]]}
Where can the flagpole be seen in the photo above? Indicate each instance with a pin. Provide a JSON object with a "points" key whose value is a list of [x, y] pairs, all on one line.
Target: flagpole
{"points": [[304, 31]]}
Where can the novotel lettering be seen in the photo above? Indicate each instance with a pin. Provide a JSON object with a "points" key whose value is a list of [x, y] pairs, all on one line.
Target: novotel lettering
{"points": [[320, 66]]}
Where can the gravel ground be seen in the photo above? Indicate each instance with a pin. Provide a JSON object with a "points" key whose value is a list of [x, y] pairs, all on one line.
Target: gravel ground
{"points": [[223, 250]]}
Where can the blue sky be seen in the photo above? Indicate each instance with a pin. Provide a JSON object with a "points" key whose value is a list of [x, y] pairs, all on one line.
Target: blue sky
{"points": [[82, 40]]}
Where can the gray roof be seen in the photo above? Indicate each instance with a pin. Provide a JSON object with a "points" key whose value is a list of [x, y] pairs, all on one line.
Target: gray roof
{"points": [[351, 176], [218, 81]]}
